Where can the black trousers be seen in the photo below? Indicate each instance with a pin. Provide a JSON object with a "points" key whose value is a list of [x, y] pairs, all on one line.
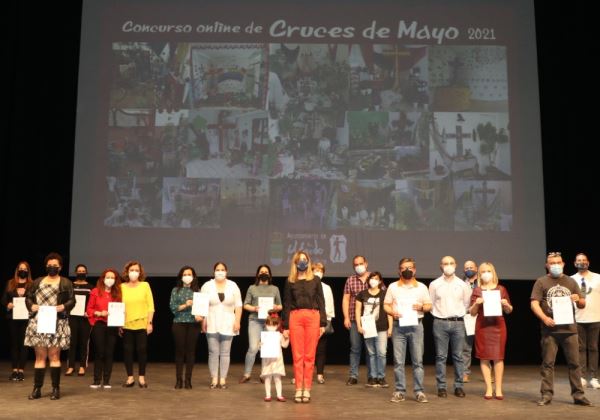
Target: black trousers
{"points": [[104, 339], [80, 339], [138, 340], [18, 351], [321, 354], [185, 335]]}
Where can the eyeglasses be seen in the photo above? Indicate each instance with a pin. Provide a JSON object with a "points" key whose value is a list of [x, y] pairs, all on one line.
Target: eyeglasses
{"points": [[554, 254]]}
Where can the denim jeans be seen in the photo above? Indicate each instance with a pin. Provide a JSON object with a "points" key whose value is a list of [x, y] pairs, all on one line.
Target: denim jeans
{"points": [[377, 351], [219, 350], [444, 333], [255, 326], [413, 337], [356, 343]]}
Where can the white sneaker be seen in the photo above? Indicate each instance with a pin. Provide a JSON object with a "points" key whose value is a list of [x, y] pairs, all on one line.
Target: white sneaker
{"points": [[594, 383], [583, 382]]}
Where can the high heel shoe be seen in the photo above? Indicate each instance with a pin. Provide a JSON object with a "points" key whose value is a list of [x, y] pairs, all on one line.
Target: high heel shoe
{"points": [[81, 372], [36, 393], [298, 396], [143, 385], [69, 372], [306, 396], [128, 384]]}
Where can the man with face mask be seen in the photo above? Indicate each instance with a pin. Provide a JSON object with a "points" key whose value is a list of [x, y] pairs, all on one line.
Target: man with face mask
{"points": [[588, 320], [450, 297], [470, 270], [557, 284]]}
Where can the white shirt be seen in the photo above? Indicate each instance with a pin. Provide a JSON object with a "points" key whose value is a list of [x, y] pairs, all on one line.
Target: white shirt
{"points": [[221, 315], [591, 312], [450, 298], [329, 307], [398, 291]]}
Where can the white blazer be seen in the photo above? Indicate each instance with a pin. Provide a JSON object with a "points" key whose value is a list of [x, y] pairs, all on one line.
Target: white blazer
{"points": [[221, 315]]}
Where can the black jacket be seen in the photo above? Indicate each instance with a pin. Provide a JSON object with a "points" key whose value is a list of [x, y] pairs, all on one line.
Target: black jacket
{"points": [[65, 296]]}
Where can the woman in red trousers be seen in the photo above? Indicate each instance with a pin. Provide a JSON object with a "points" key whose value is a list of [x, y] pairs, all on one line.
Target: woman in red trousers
{"points": [[304, 321]]}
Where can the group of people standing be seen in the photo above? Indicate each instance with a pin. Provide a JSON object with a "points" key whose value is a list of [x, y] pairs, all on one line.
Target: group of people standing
{"points": [[303, 319]]}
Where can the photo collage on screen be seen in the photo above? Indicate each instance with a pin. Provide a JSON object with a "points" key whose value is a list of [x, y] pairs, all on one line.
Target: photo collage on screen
{"points": [[309, 136]]}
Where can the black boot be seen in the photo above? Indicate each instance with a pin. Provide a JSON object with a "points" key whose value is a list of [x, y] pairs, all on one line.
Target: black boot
{"points": [[188, 383], [38, 382], [55, 375], [179, 383]]}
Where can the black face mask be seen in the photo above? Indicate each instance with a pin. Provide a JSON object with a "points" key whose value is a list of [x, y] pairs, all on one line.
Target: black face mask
{"points": [[81, 276], [52, 270], [407, 274], [264, 277], [23, 274]]}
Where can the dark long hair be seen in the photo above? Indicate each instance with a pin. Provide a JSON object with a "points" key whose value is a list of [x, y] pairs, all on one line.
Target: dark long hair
{"points": [[257, 281], [194, 284]]}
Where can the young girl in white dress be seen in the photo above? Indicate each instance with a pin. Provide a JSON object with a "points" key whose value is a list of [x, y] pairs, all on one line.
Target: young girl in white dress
{"points": [[273, 368]]}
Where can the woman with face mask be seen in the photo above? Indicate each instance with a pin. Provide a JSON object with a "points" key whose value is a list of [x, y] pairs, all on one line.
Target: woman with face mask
{"points": [[16, 288], [51, 290], [490, 331], [79, 324], [186, 327], [108, 289], [139, 311], [304, 321], [222, 323], [261, 290]]}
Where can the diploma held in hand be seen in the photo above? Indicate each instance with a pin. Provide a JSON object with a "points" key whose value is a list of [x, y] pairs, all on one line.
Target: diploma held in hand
{"points": [[265, 304], [270, 344], [491, 303], [46, 320], [368, 326], [409, 317], [562, 310], [116, 314], [19, 310], [200, 304], [470, 323]]}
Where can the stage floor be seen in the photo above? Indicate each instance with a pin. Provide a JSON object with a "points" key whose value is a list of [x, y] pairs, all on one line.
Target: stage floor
{"points": [[331, 400]]}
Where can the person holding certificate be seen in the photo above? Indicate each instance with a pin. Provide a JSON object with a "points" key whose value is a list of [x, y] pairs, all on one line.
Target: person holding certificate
{"points": [[139, 311], [376, 326], [107, 290], [222, 323], [304, 321], [489, 301], [262, 291], [50, 299], [17, 315], [186, 327], [78, 322], [548, 298], [406, 301]]}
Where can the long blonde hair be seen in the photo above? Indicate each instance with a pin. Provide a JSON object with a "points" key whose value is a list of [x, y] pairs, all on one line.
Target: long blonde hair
{"points": [[489, 265], [293, 276]]}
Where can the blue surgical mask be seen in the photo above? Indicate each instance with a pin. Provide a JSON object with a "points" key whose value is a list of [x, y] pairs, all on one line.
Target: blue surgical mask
{"points": [[556, 270], [470, 273], [302, 265]]}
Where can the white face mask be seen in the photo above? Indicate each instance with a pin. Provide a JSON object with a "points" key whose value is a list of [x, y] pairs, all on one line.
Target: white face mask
{"points": [[449, 270], [486, 277], [360, 269], [373, 283], [318, 274], [109, 282], [133, 275], [271, 328], [187, 279], [220, 275]]}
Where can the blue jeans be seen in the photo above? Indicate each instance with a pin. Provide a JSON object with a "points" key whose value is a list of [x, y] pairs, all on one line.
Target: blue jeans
{"points": [[255, 326], [444, 333], [377, 350], [413, 337], [356, 343], [219, 351]]}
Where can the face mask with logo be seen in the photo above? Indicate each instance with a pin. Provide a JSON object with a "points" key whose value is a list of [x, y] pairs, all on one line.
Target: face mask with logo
{"points": [[582, 266], [486, 277], [109, 282], [220, 275], [556, 270], [302, 265], [22, 274], [187, 280], [407, 274], [449, 270], [373, 283], [470, 273], [360, 269], [52, 270], [133, 275]]}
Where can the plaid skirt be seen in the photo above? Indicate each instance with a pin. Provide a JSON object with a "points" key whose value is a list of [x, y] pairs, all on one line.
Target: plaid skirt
{"points": [[61, 338]]}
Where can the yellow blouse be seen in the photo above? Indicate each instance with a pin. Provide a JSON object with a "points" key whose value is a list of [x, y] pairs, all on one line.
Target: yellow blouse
{"points": [[138, 302]]}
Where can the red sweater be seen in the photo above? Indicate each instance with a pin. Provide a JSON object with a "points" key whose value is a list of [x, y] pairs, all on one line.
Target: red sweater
{"points": [[98, 303]]}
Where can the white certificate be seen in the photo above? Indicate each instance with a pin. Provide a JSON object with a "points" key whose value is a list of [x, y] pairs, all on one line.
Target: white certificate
{"points": [[46, 320], [19, 310], [562, 310], [270, 344], [409, 317], [265, 304], [79, 308], [470, 323], [491, 303], [116, 314], [200, 304], [368, 325]]}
